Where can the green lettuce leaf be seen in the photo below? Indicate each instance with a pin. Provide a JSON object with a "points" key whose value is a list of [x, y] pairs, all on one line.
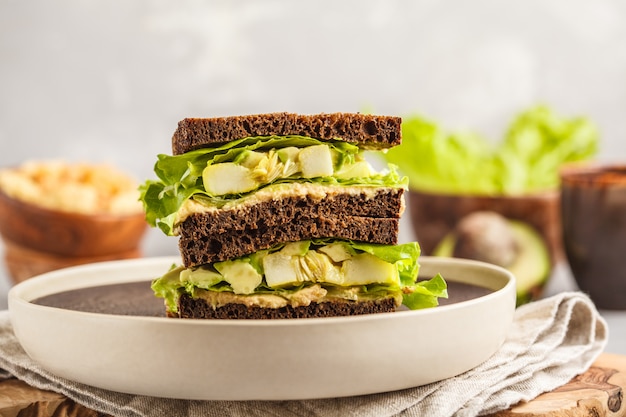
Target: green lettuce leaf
{"points": [[180, 176], [426, 293], [536, 144]]}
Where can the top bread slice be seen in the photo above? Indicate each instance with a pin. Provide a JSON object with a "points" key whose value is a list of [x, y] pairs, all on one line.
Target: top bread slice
{"points": [[367, 131]]}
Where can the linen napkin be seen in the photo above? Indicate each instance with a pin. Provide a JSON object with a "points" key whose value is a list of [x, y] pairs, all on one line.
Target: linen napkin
{"points": [[550, 342]]}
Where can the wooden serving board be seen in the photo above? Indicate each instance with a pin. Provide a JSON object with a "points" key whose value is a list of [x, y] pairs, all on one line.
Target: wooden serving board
{"points": [[17, 399], [599, 392]]}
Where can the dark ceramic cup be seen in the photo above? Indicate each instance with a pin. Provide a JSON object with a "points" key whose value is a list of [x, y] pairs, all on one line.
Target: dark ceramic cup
{"points": [[593, 215]]}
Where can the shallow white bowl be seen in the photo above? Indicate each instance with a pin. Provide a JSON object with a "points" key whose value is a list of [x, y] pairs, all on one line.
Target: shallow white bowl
{"points": [[260, 359]]}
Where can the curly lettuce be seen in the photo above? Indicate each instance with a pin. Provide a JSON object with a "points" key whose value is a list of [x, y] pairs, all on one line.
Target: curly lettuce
{"points": [[527, 160]]}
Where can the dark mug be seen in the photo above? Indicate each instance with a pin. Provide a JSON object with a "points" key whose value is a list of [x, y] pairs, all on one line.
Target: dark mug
{"points": [[593, 216]]}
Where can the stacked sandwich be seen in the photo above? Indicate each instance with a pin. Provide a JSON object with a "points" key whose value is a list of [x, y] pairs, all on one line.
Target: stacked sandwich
{"points": [[281, 216]]}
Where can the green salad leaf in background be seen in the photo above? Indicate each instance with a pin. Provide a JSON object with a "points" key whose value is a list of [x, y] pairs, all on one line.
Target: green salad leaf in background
{"points": [[536, 144]]}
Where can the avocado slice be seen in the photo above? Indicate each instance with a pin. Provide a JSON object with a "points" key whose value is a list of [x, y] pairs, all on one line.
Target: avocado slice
{"points": [[531, 264]]}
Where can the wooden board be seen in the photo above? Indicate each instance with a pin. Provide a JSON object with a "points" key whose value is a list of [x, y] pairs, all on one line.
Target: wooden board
{"points": [[17, 399], [599, 392]]}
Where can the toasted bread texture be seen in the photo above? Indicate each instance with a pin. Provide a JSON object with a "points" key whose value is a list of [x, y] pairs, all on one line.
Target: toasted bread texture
{"points": [[224, 234], [368, 131]]}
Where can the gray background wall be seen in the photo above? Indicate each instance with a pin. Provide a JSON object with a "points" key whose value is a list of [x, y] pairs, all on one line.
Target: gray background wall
{"points": [[107, 81]]}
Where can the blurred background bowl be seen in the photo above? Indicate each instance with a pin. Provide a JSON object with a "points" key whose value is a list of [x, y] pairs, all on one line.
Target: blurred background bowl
{"points": [[435, 218], [23, 263], [39, 239], [435, 215]]}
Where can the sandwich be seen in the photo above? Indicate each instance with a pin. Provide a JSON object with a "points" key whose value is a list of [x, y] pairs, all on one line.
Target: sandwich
{"points": [[280, 215]]}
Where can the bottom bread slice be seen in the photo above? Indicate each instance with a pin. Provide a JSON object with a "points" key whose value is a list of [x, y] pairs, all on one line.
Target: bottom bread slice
{"points": [[198, 308]]}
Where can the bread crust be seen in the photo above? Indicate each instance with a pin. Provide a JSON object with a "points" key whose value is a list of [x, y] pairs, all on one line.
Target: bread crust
{"points": [[368, 131]]}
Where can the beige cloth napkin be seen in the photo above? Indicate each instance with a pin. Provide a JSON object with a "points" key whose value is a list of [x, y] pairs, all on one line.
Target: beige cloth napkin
{"points": [[550, 342]]}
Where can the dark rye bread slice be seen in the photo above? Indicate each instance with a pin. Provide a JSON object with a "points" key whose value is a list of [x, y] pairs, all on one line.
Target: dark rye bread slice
{"points": [[199, 248], [197, 308], [369, 131], [371, 215], [383, 202]]}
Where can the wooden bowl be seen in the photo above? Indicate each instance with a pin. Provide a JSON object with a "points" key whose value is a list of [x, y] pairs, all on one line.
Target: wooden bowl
{"points": [[434, 215], [23, 263], [38, 239]]}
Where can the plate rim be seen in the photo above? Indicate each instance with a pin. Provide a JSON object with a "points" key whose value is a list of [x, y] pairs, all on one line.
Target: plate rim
{"points": [[15, 294]]}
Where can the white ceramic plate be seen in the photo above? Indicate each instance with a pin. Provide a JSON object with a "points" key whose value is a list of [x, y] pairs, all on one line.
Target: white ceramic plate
{"points": [[260, 359]]}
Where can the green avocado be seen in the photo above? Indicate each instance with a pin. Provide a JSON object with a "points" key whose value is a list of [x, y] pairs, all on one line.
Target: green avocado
{"points": [[531, 265]]}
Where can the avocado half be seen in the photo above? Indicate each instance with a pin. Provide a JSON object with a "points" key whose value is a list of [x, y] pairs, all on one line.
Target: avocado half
{"points": [[531, 265]]}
